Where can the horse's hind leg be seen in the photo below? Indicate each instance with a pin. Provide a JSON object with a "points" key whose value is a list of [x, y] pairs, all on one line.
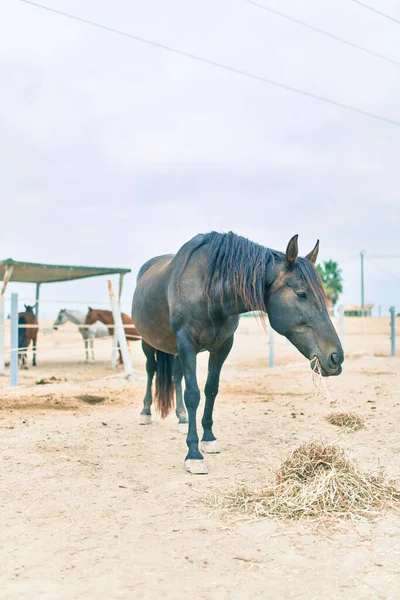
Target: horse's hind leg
{"points": [[208, 443], [151, 365], [180, 406], [34, 352], [120, 359], [92, 348]]}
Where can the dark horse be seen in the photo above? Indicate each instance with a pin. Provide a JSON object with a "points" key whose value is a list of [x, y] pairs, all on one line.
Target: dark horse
{"points": [[27, 332], [190, 302]]}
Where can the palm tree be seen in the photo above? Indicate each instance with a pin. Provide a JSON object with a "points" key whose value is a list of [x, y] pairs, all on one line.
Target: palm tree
{"points": [[332, 279]]}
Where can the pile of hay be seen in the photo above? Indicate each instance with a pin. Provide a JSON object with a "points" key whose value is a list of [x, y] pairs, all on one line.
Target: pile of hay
{"points": [[318, 481], [350, 421]]}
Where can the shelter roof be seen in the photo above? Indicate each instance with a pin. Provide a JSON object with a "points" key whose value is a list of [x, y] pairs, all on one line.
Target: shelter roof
{"points": [[28, 272]]}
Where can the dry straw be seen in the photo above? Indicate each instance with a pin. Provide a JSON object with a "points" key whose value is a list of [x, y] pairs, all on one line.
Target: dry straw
{"points": [[349, 421], [317, 481]]}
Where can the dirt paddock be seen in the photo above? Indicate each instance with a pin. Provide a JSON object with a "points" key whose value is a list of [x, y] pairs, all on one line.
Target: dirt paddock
{"points": [[95, 506]]}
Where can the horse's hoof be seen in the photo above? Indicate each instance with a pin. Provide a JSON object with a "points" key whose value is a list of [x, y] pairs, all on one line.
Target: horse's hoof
{"points": [[196, 467], [183, 428], [144, 419], [210, 447]]}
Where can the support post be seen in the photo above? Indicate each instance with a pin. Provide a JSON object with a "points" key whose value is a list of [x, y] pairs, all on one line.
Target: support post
{"points": [[120, 332], [271, 347], [14, 341], [341, 323], [120, 285], [7, 276], [362, 282], [114, 356], [2, 360], [392, 331], [37, 300]]}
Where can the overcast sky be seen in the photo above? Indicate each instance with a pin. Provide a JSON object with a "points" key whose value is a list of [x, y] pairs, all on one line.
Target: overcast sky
{"points": [[113, 151]]}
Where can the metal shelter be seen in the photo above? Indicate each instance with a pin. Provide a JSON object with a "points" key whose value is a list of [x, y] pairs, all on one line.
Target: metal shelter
{"points": [[39, 273]]}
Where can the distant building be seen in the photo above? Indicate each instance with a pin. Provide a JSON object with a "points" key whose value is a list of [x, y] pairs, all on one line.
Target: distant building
{"points": [[354, 310]]}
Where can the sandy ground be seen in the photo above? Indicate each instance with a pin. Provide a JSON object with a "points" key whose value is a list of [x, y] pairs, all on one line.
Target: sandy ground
{"points": [[95, 506]]}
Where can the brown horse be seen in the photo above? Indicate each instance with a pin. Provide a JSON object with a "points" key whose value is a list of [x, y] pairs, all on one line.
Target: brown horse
{"points": [[27, 332], [106, 317]]}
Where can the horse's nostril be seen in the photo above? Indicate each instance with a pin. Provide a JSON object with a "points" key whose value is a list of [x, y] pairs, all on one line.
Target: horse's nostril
{"points": [[334, 358]]}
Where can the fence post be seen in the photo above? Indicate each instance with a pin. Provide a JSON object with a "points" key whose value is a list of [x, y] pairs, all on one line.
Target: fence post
{"points": [[392, 331], [120, 334], [6, 279], [114, 354], [271, 347], [14, 341], [2, 361], [341, 323]]}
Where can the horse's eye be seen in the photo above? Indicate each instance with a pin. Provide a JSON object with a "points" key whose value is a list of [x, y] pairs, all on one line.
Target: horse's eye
{"points": [[301, 295]]}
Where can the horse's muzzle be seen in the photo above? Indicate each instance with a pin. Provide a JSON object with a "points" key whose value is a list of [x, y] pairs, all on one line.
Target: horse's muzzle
{"points": [[330, 368]]}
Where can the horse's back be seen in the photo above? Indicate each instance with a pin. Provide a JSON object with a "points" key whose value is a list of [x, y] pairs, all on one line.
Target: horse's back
{"points": [[156, 264]]}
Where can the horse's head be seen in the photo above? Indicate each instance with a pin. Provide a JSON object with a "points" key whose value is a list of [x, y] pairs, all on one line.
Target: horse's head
{"points": [[28, 309], [296, 305], [61, 318], [90, 317]]}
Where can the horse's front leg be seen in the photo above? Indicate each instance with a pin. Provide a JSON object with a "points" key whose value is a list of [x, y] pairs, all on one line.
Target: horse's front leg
{"points": [[180, 406], [209, 443], [86, 349], [194, 461], [92, 348]]}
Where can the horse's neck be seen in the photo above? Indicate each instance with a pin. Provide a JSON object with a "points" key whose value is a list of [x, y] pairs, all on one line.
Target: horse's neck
{"points": [[75, 317], [234, 305], [105, 317]]}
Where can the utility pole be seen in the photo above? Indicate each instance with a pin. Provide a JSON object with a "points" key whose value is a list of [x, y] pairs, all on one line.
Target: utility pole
{"points": [[362, 253]]}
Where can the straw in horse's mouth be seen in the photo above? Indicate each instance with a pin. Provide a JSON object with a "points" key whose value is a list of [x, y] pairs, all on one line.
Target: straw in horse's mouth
{"points": [[317, 367]]}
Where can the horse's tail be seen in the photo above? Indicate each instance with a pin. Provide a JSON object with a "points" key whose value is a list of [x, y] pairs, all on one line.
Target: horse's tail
{"points": [[164, 397], [21, 332]]}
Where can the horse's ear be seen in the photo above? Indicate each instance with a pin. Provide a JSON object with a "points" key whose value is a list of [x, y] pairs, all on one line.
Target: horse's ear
{"points": [[26, 308], [90, 309], [313, 255], [292, 250]]}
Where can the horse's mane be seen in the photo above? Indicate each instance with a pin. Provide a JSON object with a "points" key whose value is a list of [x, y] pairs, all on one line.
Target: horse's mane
{"points": [[242, 267]]}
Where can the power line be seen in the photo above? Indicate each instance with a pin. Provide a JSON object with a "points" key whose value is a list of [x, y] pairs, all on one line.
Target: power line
{"points": [[383, 255], [217, 64], [322, 31], [383, 269], [378, 12]]}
